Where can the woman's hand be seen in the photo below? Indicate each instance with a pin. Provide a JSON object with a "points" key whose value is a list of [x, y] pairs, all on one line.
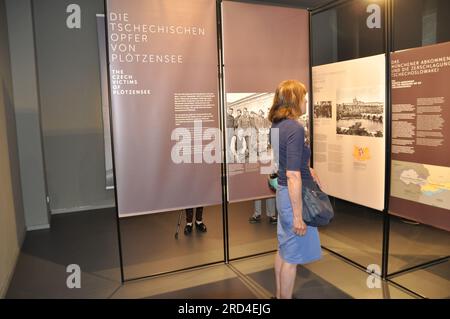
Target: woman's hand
{"points": [[299, 226], [315, 177], [294, 180]]}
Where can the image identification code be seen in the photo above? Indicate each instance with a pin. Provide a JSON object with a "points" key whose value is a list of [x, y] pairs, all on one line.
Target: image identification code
{"points": [[239, 308]]}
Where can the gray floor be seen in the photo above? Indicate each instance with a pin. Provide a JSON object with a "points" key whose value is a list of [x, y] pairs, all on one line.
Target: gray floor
{"points": [[411, 245], [308, 286], [143, 253], [89, 239], [232, 288], [430, 282], [331, 277], [356, 233]]}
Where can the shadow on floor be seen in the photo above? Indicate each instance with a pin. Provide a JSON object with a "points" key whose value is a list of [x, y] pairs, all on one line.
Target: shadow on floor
{"points": [[307, 285], [226, 289]]}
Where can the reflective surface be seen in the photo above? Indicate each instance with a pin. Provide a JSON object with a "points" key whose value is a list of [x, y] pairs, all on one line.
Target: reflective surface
{"points": [[343, 33], [329, 278], [149, 245], [412, 244], [250, 237], [420, 22], [356, 233], [431, 282], [338, 34]]}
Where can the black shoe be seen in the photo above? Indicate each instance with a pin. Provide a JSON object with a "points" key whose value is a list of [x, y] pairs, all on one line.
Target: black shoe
{"points": [[254, 219], [187, 229], [201, 227], [273, 220]]}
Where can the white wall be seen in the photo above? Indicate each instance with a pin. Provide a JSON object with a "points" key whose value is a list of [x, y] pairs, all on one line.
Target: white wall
{"points": [[12, 225], [70, 101], [26, 105]]}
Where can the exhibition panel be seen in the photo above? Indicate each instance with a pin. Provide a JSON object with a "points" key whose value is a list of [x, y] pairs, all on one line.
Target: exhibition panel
{"points": [[418, 246], [420, 178], [416, 179], [349, 126], [166, 137], [253, 67], [158, 111]]}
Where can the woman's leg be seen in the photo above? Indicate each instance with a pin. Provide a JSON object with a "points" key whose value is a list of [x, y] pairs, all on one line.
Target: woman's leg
{"points": [[287, 280], [278, 265]]}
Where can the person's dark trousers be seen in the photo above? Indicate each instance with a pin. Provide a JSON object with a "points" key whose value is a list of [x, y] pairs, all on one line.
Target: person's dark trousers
{"points": [[190, 214], [199, 225]]}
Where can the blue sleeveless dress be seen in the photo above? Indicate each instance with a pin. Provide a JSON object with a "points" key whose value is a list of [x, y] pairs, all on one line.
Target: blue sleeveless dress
{"points": [[293, 154]]}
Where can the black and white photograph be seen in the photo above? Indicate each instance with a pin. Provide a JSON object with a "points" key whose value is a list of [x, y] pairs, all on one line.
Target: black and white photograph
{"points": [[248, 126], [322, 109], [359, 113]]}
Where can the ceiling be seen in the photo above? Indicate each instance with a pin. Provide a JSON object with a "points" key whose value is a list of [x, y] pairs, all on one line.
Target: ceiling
{"points": [[299, 3]]}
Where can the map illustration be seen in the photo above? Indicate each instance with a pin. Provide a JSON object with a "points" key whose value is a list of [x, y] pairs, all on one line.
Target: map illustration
{"points": [[425, 184]]}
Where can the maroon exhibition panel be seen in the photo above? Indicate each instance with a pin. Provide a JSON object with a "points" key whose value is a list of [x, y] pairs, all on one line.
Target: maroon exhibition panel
{"points": [[420, 178], [262, 46], [164, 98]]}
